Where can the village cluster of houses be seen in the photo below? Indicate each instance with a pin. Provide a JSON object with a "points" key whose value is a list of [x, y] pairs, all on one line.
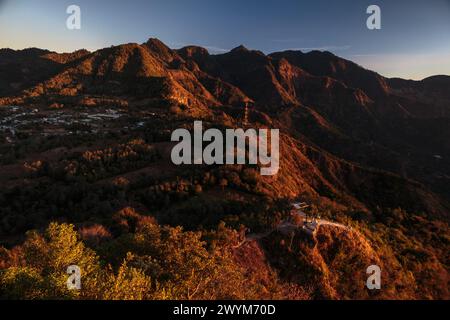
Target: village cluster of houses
{"points": [[16, 119]]}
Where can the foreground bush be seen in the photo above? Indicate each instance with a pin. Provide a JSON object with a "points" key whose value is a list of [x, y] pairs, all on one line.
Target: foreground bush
{"points": [[156, 263]]}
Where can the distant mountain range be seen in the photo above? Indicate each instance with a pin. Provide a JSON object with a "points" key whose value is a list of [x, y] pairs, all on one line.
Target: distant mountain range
{"points": [[193, 76]]}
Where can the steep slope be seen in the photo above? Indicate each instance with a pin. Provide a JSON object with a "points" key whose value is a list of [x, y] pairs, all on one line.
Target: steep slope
{"points": [[23, 69], [123, 72], [428, 98], [252, 72], [327, 64]]}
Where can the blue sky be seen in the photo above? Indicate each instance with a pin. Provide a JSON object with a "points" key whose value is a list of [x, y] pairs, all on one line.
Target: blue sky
{"points": [[414, 41]]}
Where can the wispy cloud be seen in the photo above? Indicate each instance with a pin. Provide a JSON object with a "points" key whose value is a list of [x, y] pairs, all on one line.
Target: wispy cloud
{"points": [[363, 55], [292, 40], [211, 49], [323, 48]]}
